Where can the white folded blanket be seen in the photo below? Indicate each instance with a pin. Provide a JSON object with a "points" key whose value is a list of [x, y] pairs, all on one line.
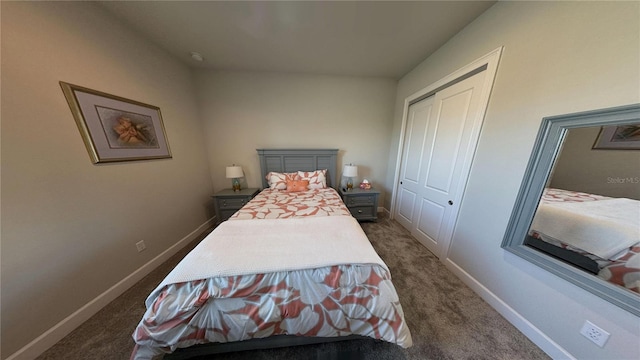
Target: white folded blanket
{"points": [[602, 227], [270, 245]]}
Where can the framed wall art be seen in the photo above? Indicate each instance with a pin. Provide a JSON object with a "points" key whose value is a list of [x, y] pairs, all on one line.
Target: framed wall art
{"points": [[116, 129], [623, 137]]}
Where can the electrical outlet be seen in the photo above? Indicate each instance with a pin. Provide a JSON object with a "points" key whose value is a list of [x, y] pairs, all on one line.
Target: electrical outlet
{"points": [[140, 245], [594, 333]]}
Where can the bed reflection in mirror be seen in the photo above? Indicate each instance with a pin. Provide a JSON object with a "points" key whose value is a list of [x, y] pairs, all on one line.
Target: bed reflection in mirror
{"points": [[577, 214], [589, 212]]}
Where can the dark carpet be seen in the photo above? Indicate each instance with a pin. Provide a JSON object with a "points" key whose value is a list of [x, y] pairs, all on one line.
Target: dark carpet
{"points": [[446, 318]]}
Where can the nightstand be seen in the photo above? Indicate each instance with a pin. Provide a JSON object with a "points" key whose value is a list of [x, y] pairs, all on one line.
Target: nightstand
{"points": [[363, 204], [227, 201]]}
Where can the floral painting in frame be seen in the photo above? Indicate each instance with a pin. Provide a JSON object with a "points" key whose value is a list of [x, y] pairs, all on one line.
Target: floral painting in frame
{"points": [[623, 137], [116, 129]]}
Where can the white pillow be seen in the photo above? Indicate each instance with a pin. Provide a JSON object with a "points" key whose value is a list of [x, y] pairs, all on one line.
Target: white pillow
{"points": [[317, 179], [278, 181]]}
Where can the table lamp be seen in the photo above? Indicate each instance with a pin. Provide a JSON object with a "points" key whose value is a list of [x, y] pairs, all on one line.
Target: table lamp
{"points": [[350, 171], [235, 172]]}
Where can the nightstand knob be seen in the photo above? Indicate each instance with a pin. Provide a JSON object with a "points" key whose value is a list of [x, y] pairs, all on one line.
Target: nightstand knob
{"points": [[224, 202], [359, 211]]}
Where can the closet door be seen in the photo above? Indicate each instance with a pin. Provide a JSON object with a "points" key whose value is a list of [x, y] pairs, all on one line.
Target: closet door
{"points": [[436, 157], [409, 190]]}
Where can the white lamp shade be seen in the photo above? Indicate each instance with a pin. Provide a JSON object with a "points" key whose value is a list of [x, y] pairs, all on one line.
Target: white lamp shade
{"points": [[350, 171], [234, 172]]}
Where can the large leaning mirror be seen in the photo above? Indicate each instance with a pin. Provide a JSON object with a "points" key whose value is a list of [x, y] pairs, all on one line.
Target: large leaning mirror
{"points": [[577, 214]]}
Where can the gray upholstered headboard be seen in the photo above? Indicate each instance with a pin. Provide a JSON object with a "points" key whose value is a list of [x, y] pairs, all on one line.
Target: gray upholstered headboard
{"points": [[290, 160]]}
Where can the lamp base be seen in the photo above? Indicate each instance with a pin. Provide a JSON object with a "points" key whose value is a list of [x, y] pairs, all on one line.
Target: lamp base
{"points": [[349, 184], [235, 185]]}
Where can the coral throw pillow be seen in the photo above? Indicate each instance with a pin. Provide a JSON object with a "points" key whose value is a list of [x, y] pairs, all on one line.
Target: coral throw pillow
{"points": [[297, 185]]}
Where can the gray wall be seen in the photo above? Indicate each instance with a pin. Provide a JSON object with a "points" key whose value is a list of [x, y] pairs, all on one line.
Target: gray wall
{"points": [[558, 58], [244, 111], [69, 227], [614, 173]]}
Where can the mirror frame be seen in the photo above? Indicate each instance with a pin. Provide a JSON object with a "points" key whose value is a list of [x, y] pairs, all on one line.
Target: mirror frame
{"points": [[547, 146]]}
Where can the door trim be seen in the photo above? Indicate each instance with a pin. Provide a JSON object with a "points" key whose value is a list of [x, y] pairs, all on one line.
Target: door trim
{"points": [[490, 63]]}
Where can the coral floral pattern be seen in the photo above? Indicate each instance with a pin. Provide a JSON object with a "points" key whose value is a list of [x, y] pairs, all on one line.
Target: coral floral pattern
{"points": [[274, 204], [334, 301], [330, 301], [623, 271], [560, 195]]}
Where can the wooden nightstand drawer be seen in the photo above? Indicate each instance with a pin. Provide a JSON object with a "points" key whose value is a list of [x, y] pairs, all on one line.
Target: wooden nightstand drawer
{"points": [[362, 204], [227, 201], [361, 200], [361, 212], [232, 203], [226, 214]]}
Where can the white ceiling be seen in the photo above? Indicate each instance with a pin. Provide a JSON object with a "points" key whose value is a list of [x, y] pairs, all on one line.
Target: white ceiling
{"points": [[359, 38]]}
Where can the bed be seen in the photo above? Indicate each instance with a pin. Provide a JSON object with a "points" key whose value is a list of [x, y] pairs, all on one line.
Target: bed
{"points": [[289, 268], [596, 233]]}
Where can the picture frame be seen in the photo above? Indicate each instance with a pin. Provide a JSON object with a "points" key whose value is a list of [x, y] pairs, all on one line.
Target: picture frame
{"points": [[116, 129], [623, 137]]}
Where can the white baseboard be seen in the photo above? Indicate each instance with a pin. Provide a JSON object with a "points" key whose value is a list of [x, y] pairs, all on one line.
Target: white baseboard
{"points": [[534, 334], [71, 322]]}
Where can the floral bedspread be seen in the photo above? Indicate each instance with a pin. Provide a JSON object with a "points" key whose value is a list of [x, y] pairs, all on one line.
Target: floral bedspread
{"points": [[559, 195], [624, 270], [280, 204], [334, 301], [329, 301]]}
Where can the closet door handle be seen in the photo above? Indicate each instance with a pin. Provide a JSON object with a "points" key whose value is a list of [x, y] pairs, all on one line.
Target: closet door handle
{"points": [[450, 202]]}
